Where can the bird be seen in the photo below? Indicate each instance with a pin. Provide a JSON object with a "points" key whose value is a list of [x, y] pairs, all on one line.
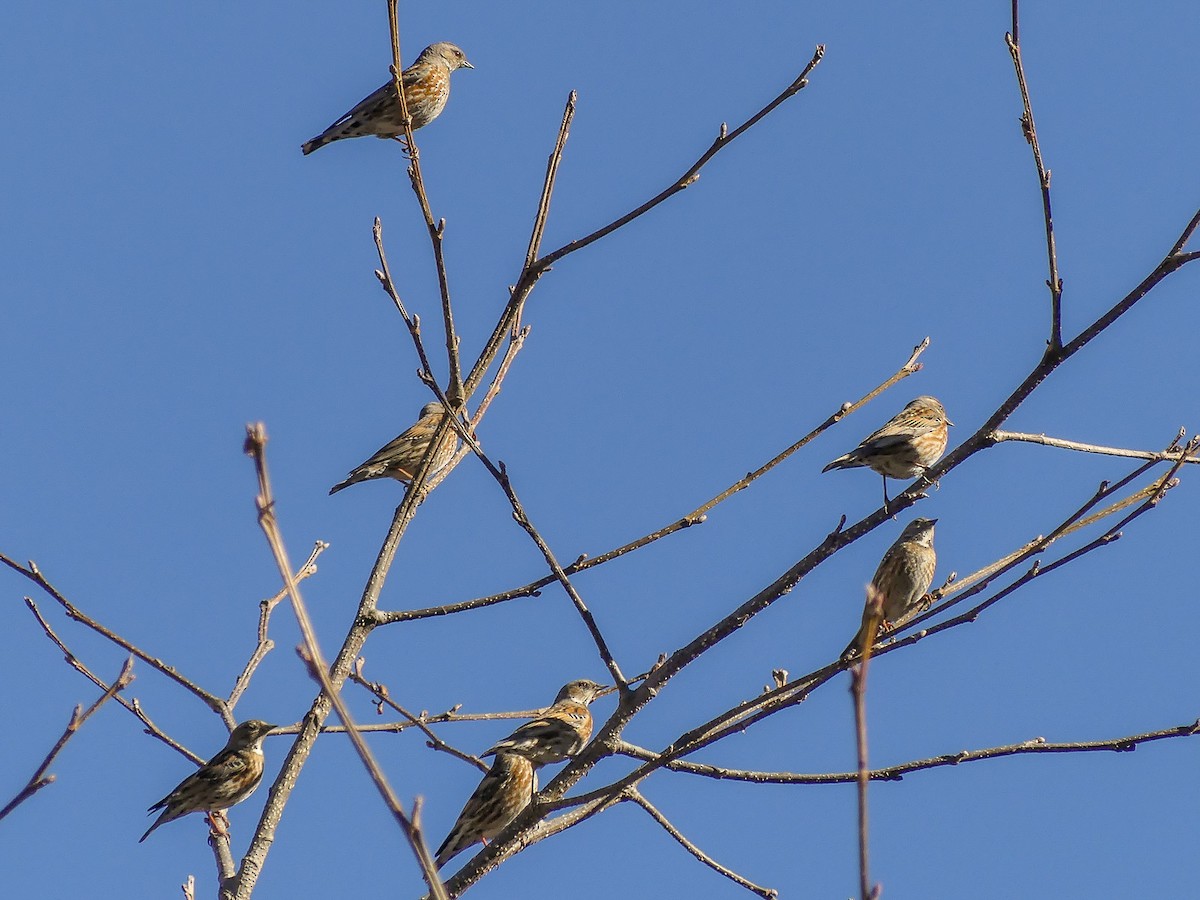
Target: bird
{"points": [[225, 780], [559, 732], [907, 444], [401, 457], [901, 580], [426, 89], [505, 790]]}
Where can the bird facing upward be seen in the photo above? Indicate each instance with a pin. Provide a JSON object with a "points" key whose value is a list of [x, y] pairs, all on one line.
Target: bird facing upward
{"points": [[902, 579], [559, 732], [401, 457], [227, 779], [426, 89], [505, 790], [907, 444]]}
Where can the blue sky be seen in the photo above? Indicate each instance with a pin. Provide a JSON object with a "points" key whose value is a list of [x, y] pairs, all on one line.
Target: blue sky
{"points": [[174, 268]]}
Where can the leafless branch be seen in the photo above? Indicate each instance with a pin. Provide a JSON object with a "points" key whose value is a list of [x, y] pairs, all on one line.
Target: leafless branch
{"points": [[34, 574], [897, 772], [636, 797], [858, 691], [436, 231], [695, 517], [1062, 444], [532, 272], [40, 779], [383, 698], [256, 441], [265, 645], [1030, 131], [132, 705]]}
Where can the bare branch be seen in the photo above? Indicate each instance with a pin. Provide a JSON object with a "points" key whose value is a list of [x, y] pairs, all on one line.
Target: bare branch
{"points": [[858, 691], [1063, 444], [688, 178], [898, 771], [132, 705], [1030, 131], [34, 574], [40, 779], [695, 517], [383, 698], [532, 272], [256, 440], [436, 231], [637, 798], [265, 645]]}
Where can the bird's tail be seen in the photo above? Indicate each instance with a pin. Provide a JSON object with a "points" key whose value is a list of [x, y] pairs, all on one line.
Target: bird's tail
{"points": [[315, 143], [163, 818]]}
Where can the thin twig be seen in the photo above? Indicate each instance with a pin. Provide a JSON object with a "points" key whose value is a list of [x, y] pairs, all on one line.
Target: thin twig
{"points": [[265, 645], [132, 705], [898, 771], [40, 779], [1030, 131], [695, 517], [636, 797], [34, 574], [383, 698], [531, 273], [858, 691], [256, 440], [1063, 444], [436, 231]]}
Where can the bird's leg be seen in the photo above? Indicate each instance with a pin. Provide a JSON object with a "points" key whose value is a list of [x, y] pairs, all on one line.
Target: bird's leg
{"points": [[886, 501], [218, 822]]}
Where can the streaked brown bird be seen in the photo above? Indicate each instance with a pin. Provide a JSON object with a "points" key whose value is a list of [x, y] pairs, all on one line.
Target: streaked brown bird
{"points": [[505, 790], [908, 443], [559, 732], [401, 457], [902, 579], [426, 89], [225, 780]]}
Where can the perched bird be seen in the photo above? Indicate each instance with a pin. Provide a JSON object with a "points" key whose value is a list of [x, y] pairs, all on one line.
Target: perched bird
{"points": [[227, 779], [908, 443], [401, 457], [902, 579], [559, 732], [506, 789], [426, 89]]}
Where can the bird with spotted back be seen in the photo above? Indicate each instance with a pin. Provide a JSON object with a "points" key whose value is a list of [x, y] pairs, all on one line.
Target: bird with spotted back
{"points": [[558, 733], [225, 780], [907, 444], [505, 790], [426, 89], [901, 580], [400, 458]]}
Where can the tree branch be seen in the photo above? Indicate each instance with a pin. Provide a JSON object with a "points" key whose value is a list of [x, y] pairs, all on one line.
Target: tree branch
{"points": [[998, 437], [34, 574], [1030, 131], [636, 797], [695, 517], [40, 779], [256, 441]]}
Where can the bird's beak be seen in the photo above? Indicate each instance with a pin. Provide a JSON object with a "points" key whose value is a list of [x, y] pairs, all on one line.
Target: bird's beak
{"points": [[933, 521], [466, 64], [948, 422]]}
